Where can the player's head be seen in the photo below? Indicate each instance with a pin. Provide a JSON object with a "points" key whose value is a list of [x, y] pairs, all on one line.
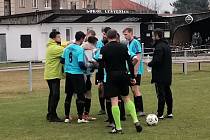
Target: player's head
{"points": [[92, 39], [112, 35], [55, 35], [128, 33], [157, 34], [118, 37], [104, 32], [90, 33], [80, 36]]}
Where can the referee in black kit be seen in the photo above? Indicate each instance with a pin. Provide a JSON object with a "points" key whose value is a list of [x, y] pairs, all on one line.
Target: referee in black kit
{"points": [[113, 57]]}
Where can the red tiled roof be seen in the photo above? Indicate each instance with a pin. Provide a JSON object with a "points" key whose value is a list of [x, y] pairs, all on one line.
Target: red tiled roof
{"points": [[129, 5]]}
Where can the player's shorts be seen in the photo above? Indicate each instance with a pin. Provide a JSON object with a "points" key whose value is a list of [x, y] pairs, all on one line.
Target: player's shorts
{"points": [[96, 78], [88, 83], [138, 80], [75, 83], [117, 84]]}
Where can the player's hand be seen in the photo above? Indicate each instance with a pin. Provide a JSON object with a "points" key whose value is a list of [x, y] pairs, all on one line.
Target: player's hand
{"points": [[95, 64], [135, 61], [100, 85], [133, 81]]}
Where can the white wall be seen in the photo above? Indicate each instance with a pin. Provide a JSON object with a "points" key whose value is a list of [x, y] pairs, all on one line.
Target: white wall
{"points": [[95, 26], [14, 50], [39, 35]]}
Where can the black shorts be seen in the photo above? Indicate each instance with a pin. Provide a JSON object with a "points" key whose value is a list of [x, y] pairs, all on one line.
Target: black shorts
{"points": [[117, 84], [97, 78], [75, 83], [138, 80], [88, 83]]}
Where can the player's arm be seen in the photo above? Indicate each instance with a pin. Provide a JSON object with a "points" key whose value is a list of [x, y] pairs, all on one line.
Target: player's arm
{"points": [[101, 66], [58, 51], [137, 49], [130, 64], [157, 57], [62, 58], [81, 60]]}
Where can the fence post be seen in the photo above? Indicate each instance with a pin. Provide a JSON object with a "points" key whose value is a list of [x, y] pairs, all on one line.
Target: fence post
{"points": [[185, 63], [30, 76], [142, 47]]}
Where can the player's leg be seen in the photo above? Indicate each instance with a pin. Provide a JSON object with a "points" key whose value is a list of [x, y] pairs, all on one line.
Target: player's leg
{"points": [[49, 114], [101, 99], [109, 112], [130, 107], [88, 85], [79, 86], [169, 101], [55, 99], [138, 100], [69, 90], [116, 113], [161, 100], [122, 109]]}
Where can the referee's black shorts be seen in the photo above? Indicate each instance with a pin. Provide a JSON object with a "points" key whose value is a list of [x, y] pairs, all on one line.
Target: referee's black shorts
{"points": [[75, 83], [117, 84]]}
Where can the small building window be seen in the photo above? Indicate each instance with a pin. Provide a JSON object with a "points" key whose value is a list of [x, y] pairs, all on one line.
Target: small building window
{"points": [[55, 29], [68, 34], [46, 4], [34, 3], [22, 3], [25, 41], [84, 4]]}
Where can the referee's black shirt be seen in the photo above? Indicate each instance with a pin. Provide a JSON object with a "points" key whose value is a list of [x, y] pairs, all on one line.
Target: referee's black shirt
{"points": [[114, 56]]}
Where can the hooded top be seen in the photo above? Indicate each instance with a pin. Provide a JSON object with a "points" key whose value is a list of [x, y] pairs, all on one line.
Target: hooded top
{"points": [[53, 67]]}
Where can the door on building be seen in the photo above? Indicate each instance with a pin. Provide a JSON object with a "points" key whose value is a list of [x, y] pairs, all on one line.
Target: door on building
{"points": [[3, 51]]}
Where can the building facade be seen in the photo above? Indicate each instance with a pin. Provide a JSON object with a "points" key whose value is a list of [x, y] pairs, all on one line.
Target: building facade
{"points": [[10, 7]]}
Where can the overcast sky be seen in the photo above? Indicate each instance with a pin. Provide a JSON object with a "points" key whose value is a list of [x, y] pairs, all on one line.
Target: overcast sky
{"points": [[164, 5]]}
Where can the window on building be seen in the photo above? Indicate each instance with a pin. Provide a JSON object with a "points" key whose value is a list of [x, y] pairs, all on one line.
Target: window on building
{"points": [[55, 29], [73, 5], [25, 41], [84, 4], [22, 3], [68, 34], [46, 4], [34, 3]]}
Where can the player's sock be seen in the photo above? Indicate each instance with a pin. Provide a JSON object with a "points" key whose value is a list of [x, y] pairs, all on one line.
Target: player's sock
{"points": [[136, 103], [139, 104], [116, 116], [131, 108], [109, 111], [87, 106], [80, 108], [102, 103]]}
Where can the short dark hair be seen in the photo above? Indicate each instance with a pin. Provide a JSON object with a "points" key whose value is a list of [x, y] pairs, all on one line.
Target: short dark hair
{"points": [[112, 34], [92, 39], [158, 32], [130, 30], [92, 32], [106, 29], [79, 35], [53, 34]]}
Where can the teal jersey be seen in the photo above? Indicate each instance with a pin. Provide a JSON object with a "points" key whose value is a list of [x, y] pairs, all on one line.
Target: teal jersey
{"points": [[99, 45], [135, 48], [73, 54]]}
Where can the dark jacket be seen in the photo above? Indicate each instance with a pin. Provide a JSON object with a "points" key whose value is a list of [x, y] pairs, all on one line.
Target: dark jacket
{"points": [[161, 63]]}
